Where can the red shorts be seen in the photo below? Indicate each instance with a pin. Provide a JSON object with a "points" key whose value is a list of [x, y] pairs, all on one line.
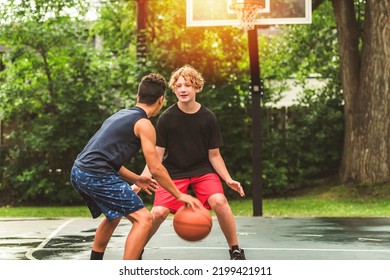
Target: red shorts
{"points": [[203, 186]]}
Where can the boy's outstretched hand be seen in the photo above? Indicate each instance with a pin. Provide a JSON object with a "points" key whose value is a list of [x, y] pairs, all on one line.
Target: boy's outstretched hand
{"points": [[236, 186]]}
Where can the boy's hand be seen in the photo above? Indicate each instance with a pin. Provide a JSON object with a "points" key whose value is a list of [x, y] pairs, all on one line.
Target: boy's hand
{"points": [[190, 201], [145, 183], [234, 185]]}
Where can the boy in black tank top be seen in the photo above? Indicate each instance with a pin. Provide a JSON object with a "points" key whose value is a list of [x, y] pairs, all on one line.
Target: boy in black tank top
{"points": [[100, 177]]}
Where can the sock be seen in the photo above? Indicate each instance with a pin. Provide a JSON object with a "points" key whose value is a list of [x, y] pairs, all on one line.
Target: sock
{"points": [[235, 247], [96, 255]]}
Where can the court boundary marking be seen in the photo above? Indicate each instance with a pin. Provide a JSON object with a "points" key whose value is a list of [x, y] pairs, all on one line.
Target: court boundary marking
{"points": [[29, 253], [271, 249]]}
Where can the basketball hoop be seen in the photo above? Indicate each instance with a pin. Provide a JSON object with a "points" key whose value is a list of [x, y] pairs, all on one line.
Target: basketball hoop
{"points": [[246, 12]]}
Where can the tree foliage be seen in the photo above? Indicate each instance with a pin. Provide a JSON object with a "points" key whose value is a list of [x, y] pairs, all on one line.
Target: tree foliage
{"points": [[309, 148], [64, 75], [56, 88]]}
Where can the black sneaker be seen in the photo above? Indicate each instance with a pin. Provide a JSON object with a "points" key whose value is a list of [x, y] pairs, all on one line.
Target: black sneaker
{"points": [[237, 254]]}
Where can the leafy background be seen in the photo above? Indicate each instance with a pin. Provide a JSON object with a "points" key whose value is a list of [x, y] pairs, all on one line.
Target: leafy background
{"points": [[63, 75]]}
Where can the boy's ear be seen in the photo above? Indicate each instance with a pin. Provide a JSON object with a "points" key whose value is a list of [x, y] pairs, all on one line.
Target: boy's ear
{"points": [[161, 99]]}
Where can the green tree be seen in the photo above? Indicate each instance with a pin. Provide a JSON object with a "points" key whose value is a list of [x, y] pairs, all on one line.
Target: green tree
{"points": [[309, 145], [363, 30], [56, 90]]}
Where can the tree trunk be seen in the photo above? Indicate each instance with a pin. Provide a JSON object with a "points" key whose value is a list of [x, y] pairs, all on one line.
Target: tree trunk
{"points": [[366, 88]]}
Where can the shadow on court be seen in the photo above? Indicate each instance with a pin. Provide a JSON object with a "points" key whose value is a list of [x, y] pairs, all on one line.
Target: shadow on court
{"points": [[262, 239]]}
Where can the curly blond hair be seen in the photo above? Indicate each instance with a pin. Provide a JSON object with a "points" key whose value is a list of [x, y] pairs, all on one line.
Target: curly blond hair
{"points": [[190, 74]]}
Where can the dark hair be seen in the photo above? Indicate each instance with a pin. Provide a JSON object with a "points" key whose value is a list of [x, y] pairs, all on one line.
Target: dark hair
{"points": [[151, 88]]}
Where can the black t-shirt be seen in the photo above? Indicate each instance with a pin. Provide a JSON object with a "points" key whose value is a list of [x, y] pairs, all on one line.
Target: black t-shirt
{"points": [[187, 139], [113, 144]]}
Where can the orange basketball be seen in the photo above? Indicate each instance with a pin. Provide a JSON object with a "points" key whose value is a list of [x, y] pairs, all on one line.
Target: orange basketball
{"points": [[192, 225]]}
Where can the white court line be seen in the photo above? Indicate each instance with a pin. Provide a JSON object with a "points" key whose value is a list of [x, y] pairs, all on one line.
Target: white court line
{"points": [[368, 239], [274, 249], [29, 254]]}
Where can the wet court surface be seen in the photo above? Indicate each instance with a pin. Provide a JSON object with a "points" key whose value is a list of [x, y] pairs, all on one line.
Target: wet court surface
{"points": [[262, 238]]}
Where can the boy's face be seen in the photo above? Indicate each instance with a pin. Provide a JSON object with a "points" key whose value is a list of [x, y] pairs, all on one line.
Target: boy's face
{"points": [[184, 90]]}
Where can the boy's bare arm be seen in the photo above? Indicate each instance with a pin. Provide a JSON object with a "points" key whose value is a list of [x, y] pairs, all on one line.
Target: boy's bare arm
{"points": [[145, 131], [219, 165]]}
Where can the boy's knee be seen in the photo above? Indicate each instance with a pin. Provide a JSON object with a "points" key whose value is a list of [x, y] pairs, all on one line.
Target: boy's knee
{"points": [[144, 218], [148, 219], [217, 201], [160, 214]]}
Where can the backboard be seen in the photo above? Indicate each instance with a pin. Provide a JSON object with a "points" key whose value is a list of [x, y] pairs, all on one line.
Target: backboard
{"points": [[274, 12]]}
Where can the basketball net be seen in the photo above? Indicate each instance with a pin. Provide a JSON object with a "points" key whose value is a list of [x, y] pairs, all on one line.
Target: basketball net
{"points": [[246, 12]]}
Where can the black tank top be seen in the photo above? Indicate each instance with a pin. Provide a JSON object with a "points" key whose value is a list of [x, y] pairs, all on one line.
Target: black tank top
{"points": [[113, 144]]}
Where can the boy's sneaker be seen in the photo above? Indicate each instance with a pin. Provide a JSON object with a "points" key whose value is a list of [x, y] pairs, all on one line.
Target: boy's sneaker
{"points": [[237, 254]]}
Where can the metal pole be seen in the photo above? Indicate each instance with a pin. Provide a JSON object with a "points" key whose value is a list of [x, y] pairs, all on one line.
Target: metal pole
{"points": [[256, 93]]}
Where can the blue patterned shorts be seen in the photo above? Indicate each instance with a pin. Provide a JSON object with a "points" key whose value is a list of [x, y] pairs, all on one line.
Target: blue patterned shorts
{"points": [[105, 193]]}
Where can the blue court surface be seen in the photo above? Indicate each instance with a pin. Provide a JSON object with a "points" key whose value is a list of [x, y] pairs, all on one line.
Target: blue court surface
{"points": [[262, 238]]}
